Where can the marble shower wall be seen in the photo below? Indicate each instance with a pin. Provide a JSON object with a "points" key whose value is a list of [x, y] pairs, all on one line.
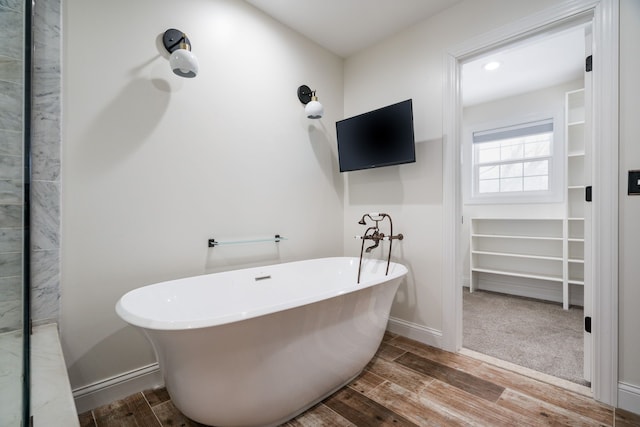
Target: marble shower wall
{"points": [[45, 163], [11, 199]]}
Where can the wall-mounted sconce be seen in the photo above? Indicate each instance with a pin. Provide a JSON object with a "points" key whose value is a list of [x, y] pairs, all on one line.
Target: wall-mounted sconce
{"points": [[182, 61], [313, 109]]}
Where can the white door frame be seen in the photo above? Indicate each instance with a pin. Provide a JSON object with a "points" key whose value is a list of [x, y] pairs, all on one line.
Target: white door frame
{"points": [[605, 178]]}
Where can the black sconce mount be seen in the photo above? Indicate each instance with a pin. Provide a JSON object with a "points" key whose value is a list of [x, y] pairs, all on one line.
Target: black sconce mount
{"points": [[172, 38], [304, 94]]}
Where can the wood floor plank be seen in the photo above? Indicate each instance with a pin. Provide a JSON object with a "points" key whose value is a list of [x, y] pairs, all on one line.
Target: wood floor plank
{"points": [[532, 408], [366, 381], [389, 351], [362, 411], [626, 418], [474, 409], [396, 373], [388, 336], [156, 396], [169, 415], [86, 419], [554, 395], [319, 416], [423, 412], [132, 411], [464, 381], [453, 360]]}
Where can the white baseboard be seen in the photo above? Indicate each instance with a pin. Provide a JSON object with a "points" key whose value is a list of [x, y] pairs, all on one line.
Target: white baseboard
{"points": [[629, 397], [416, 332], [111, 389]]}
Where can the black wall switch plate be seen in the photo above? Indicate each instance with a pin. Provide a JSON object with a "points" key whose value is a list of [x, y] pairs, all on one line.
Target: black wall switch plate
{"points": [[634, 182]]}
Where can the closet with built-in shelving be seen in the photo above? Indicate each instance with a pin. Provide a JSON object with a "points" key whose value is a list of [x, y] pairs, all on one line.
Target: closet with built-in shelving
{"points": [[549, 249]]}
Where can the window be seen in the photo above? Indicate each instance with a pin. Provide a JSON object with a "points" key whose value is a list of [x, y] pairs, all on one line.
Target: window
{"points": [[515, 161]]}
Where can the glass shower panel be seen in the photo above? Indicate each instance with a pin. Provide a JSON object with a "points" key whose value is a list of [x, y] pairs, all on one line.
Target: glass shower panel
{"points": [[13, 225]]}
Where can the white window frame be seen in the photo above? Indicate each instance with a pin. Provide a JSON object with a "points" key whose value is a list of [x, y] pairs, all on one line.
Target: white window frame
{"points": [[554, 194]]}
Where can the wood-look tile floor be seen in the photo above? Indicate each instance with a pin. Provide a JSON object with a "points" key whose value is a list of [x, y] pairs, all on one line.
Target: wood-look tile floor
{"points": [[408, 384]]}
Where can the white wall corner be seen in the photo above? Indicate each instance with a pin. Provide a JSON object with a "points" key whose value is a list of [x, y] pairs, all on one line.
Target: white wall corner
{"points": [[111, 389], [629, 397], [416, 332]]}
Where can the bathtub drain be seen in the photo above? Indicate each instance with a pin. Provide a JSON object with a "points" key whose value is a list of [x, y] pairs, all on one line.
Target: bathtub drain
{"points": [[262, 278]]}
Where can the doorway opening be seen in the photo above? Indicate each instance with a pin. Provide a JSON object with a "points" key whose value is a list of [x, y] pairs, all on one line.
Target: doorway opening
{"points": [[604, 251], [525, 149]]}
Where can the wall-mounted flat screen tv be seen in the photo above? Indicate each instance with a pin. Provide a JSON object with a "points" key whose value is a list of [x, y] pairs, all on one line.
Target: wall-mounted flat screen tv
{"points": [[381, 137]]}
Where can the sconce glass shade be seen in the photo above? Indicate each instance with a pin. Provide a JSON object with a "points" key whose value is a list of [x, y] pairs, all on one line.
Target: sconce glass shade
{"points": [[184, 63], [313, 109]]}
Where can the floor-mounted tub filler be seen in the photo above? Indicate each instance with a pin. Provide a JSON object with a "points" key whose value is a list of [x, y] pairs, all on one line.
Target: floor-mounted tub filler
{"points": [[255, 347]]}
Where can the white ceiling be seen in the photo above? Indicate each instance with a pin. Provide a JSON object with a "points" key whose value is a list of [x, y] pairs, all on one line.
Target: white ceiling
{"points": [[525, 67], [345, 27]]}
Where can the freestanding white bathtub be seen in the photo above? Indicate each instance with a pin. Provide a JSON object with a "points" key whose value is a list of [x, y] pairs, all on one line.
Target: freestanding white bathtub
{"points": [[255, 347]]}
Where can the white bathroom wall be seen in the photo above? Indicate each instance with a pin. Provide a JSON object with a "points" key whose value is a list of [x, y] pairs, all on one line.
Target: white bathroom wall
{"points": [[411, 65], [155, 164]]}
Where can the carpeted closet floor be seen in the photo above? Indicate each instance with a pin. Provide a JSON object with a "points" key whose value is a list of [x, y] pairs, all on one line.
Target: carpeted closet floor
{"points": [[535, 334]]}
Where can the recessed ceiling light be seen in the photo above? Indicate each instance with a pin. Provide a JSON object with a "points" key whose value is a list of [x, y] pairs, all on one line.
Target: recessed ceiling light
{"points": [[490, 66]]}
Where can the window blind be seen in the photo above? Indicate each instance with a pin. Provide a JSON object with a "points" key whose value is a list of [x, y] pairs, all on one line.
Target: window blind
{"points": [[516, 131]]}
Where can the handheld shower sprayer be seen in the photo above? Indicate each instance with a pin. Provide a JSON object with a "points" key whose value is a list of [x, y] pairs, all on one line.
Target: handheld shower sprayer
{"points": [[380, 216]]}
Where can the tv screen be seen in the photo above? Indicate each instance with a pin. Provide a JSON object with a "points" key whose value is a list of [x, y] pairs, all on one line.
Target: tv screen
{"points": [[381, 137]]}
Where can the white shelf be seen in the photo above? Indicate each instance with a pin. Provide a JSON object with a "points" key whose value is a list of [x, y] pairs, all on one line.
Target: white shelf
{"points": [[512, 236], [516, 255], [518, 274], [515, 218]]}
